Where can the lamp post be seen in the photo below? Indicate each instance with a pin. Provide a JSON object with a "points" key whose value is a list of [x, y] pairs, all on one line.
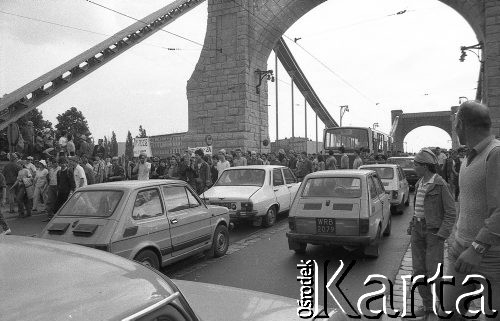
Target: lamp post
{"points": [[406, 147], [462, 99], [375, 125], [343, 109]]}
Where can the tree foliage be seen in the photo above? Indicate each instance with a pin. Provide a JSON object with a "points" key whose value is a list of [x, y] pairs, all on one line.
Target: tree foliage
{"points": [[35, 116], [72, 121], [142, 132], [129, 146], [114, 145]]}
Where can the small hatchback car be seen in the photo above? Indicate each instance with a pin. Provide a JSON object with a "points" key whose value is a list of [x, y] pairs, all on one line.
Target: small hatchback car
{"points": [[256, 193], [347, 208], [155, 222], [408, 166], [395, 184]]}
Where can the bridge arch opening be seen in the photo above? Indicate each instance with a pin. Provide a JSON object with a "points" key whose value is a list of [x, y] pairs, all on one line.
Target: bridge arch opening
{"points": [[426, 136]]}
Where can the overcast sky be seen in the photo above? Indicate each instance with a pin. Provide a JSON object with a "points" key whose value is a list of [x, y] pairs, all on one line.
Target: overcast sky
{"points": [[359, 53]]}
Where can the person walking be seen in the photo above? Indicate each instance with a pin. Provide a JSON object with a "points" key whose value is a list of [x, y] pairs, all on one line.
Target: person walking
{"points": [[203, 177], [65, 183], [475, 246], [78, 172], [222, 164], [51, 202], [40, 182], [331, 162], [10, 171], [432, 222], [3, 198], [239, 160], [142, 168], [344, 159], [24, 190], [357, 160], [320, 166]]}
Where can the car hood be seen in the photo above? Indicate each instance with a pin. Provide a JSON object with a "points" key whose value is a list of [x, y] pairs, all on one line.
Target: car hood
{"points": [[229, 192], [213, 302]]}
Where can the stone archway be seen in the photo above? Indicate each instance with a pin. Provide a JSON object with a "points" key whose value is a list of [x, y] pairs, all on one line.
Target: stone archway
{"points": [[410, 121], [241, 34]]}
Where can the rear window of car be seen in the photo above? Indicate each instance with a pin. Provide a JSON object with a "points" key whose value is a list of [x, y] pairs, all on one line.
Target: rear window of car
{"points": [[342, 187], [242, 177], [403, 162], [92, 203], [383, 172]]}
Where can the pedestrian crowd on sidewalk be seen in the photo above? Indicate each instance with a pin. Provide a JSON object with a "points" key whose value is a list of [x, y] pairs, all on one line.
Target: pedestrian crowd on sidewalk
{"points": [[471, 176]]}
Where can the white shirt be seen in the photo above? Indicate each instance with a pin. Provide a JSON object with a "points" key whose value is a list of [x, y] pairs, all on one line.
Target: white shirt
{"points": [[143, 172], [221, 166], [78, 174]]}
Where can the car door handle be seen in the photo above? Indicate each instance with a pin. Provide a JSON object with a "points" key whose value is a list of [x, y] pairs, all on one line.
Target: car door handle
{"points": [[174, 221], [276, 189], [290, 186]]}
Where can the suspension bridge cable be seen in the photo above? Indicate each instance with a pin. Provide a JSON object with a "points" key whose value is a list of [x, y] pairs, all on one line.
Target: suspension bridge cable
{"points": [[138, 20], [85, 30], [310, 54]]}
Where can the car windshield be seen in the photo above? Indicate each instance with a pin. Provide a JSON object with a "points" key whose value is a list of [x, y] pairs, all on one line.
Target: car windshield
{"points": [[242, 177], [343, 187], [383, 172], [403, 162], [92, 203]]}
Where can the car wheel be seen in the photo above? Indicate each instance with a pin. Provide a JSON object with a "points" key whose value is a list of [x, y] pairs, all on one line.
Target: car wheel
{"points": [[394, 209], [388, 228], [270, 218], [220, 243], [148, 258], [372, 250], [301, 249]]}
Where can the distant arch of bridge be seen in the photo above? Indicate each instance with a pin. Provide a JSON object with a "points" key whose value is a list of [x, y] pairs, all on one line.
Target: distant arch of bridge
{"points": [[403, 124]]}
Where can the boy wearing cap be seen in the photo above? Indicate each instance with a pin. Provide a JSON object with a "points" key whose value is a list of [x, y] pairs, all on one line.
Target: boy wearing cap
{"points": [[433, 219]]}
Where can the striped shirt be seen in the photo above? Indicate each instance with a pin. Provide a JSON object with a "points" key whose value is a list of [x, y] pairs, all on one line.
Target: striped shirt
{"points": [[419, 199]]}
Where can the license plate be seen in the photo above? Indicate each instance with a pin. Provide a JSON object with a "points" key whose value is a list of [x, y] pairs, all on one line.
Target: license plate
{"points": [[325, 225]]}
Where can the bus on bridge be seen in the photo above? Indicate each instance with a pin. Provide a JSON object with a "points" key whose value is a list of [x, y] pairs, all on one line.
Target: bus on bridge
{"points": [[363, 139]]}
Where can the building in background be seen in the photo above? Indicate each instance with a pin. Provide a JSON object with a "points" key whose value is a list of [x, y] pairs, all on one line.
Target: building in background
{"points": [[166, 145], [298, 145]]}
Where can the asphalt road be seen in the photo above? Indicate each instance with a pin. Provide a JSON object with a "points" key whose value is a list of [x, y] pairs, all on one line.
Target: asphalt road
{"points": [[259, 259]]}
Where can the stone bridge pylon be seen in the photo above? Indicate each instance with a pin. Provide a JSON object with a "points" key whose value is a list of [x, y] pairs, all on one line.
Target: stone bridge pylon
{"points": [[222, 97]]}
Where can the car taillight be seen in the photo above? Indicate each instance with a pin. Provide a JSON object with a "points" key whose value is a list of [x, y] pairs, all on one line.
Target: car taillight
{"points": [[291, 223], [364, 225], [394, 194], [246, 206]]}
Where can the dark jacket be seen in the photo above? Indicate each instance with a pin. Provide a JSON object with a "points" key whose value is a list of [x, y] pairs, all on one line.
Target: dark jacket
{"points": [[439, 207]]}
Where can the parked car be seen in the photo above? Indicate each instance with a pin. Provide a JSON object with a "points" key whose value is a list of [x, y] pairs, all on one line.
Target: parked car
{"points": [[50, 280], [395, 184], [408, 167], [155, 222], [257, 193], [347, 208]]}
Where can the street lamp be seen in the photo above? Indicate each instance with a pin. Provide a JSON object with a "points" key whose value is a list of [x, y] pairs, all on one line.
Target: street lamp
{"points": [[406, 147], [343, 109], [375, 125], [462, 99]]}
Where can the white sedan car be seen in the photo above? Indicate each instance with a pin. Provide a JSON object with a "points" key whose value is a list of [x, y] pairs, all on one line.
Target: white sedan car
{"points": [[257, 193]]}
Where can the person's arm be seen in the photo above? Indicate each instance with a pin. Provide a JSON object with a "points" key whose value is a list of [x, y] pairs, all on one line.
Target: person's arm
{"points": [[450, 214]]}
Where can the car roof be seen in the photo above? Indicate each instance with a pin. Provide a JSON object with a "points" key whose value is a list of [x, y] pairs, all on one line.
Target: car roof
{"points": [[401, 157], [51, 280], [257, 167], [340, 173], [131, 185], [379, 165]]}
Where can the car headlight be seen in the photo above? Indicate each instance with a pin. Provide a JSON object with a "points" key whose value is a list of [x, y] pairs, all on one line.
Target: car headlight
{"points": [[247, 206]]}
